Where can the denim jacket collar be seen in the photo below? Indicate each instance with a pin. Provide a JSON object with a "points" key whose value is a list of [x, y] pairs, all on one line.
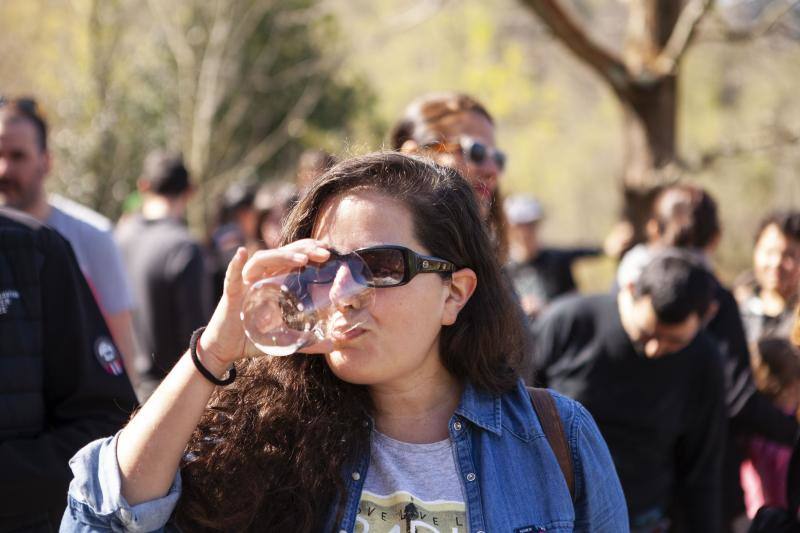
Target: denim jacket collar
{"points": [[482, 409]]}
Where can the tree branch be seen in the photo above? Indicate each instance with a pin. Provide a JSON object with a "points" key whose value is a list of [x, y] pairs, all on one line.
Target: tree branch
{"points": [[779, 137], [573, 36], [261, 152], [770, 18], [209, 92], [185, 61], [667, 61]]}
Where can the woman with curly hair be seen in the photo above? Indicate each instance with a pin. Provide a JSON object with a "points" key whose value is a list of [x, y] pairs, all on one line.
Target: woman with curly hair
{"points": [[416, 418]]}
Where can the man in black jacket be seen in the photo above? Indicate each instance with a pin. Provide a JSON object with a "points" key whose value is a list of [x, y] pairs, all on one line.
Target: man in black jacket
{"points": [[654, 383], [62, 383]]}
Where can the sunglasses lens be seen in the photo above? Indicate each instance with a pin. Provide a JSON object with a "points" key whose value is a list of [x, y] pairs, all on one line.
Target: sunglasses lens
{"points": [[359, 270], [319, 272], [386, 265], [477, 152]]}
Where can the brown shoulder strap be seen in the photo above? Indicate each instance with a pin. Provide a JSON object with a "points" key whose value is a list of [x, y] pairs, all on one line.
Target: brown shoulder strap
{"points": [[546, 410]]}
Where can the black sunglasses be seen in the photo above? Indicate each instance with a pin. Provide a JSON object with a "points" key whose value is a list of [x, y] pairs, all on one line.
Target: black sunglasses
{"points": [[26, 105], [475, 151], [389, 266]]}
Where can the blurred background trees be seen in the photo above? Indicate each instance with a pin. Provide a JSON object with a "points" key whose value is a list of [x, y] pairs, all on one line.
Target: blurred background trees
{"points": [[644, 78], [241, 86]]}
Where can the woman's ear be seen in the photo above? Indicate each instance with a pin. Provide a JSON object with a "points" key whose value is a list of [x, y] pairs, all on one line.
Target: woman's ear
{"points": [[462, 285]]}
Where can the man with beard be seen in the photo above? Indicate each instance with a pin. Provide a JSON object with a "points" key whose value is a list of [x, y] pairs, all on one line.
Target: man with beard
{"points": [[26, 163]]}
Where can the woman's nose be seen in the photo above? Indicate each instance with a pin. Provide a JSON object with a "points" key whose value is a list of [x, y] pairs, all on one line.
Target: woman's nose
{"points": [[345, 291]]}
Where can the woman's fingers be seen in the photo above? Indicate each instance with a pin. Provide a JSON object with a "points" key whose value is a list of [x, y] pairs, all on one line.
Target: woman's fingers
{"points": [[266, 263], [224, 337], [234, 285]]}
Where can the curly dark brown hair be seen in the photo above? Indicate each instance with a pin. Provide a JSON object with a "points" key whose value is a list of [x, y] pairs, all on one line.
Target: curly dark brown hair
{"points": [[269, 452]]}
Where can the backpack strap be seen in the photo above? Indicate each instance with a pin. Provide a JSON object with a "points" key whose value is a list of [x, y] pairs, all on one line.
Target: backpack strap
{"points": [[546, 410]]}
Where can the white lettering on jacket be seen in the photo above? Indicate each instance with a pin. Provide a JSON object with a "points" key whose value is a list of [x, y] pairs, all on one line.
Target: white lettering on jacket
{"points": [[6, 299]]}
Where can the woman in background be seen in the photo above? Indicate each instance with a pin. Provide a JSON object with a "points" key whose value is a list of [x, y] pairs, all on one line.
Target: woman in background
{"points": [[457, 131]]}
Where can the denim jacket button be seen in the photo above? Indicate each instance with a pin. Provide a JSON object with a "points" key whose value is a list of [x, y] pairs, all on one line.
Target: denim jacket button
{"points": [[356, 476], [457, 425], [471, 477]]}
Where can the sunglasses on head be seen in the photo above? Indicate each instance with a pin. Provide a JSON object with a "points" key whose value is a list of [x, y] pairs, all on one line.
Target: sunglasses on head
{"points": [[473, 150], [389, 266]]}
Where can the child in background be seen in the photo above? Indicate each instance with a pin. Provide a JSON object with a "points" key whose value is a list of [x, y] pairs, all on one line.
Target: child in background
{"points": [[776, 369]]}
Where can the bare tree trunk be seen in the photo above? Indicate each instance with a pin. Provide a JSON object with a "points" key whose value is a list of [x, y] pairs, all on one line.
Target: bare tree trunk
{"points": [[649, 108], [645, 80], [649, 148], [649, 115]]}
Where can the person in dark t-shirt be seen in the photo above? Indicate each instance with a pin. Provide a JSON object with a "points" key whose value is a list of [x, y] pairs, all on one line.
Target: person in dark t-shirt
{"points": [[539, 275], [167, 270], [653, 381]]}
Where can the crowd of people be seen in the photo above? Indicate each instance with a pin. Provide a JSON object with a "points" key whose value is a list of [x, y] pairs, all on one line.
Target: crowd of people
{"points": [[482, 392]]}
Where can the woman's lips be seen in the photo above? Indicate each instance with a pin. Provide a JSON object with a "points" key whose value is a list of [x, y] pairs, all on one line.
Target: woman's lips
{"points": [[346, 334]]}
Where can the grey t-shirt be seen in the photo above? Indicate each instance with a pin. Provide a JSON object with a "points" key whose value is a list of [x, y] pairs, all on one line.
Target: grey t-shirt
{"points": [[100, 260], [411, 487]]}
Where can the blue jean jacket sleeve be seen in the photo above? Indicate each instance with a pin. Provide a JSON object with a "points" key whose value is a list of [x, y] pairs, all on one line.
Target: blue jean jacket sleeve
{"points": [[599, 500], [95, 501]]}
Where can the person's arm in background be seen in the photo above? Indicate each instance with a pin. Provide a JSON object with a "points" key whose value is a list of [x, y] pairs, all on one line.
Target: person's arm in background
{"points": [[699, 451], [582, 251], [121, 327], [84, 398], [110, 280]]}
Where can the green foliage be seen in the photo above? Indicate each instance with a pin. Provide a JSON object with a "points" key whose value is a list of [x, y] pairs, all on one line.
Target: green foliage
{"points": [[240, 86]]}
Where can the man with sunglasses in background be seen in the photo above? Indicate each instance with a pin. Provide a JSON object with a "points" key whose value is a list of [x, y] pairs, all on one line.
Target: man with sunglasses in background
{"points": [[25, 162]]}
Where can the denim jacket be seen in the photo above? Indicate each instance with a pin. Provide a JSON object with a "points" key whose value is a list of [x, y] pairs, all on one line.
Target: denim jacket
{"points": [[511, 479]]}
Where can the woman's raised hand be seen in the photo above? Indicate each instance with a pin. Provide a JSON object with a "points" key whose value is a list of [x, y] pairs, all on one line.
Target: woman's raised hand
{"points": [[150, 447], [224, 341]]}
